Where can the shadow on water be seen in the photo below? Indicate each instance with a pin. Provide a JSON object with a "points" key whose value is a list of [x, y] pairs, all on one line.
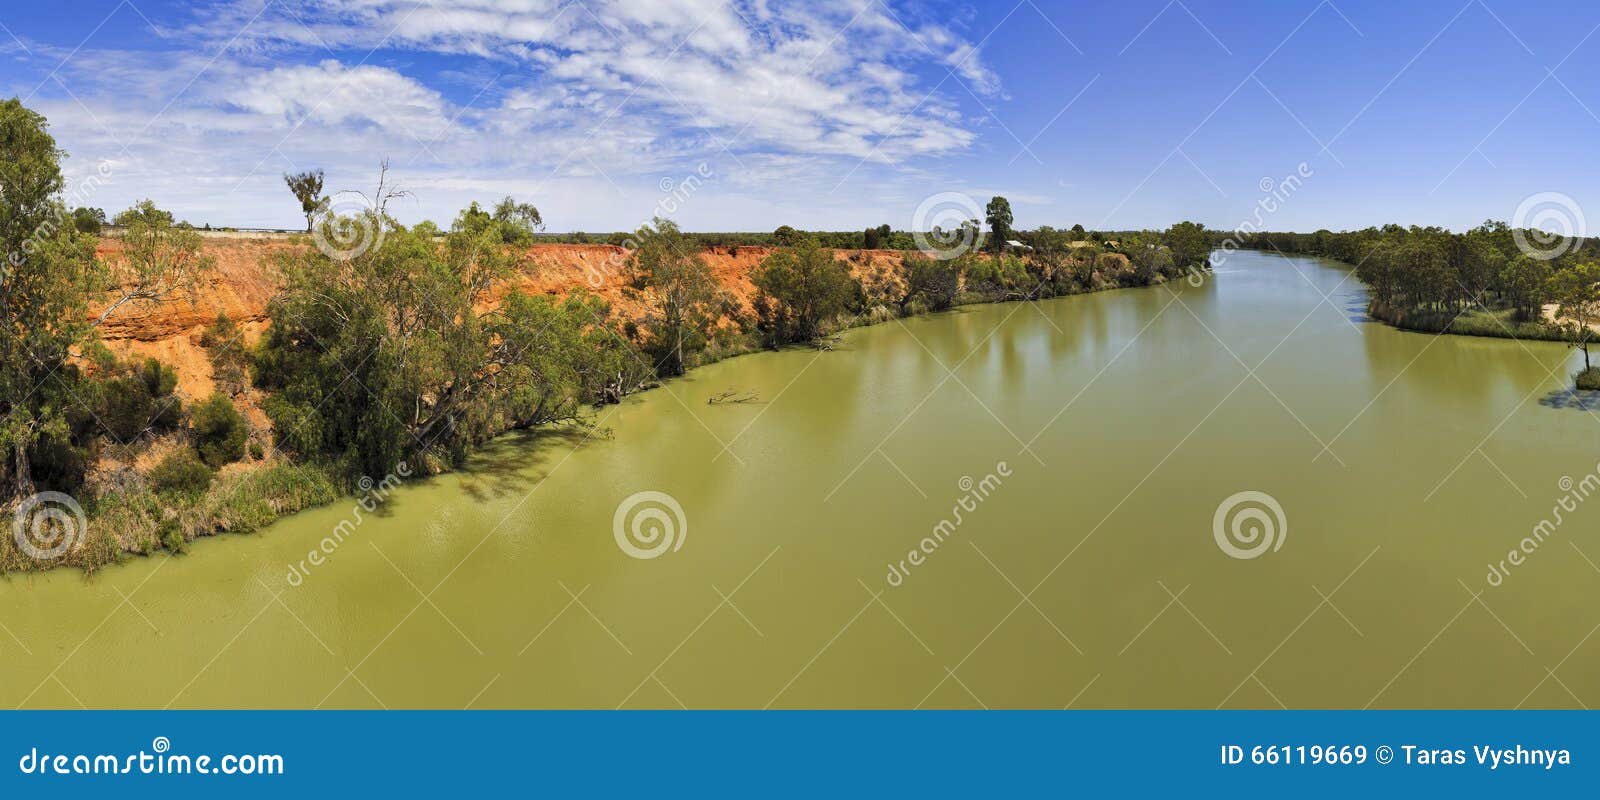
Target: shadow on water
{"points": [[1573, 399], [1356, 302], [511, 464]]}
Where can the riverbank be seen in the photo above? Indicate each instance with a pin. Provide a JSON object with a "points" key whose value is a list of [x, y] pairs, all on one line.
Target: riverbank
{"points": [[1490, 323], [813, 496], [126, 517]]}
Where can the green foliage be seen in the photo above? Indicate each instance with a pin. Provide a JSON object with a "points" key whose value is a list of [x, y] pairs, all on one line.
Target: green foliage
{"points": [[1524, 281], [998, 214], [687, 296], [224, 343], [933, 283], [876, 238], [144, 213], [157, 260], [1589, 379], [1577, 290], [1190, 244], [307, 188], [89, 220], [786, 236], [139, 399], [50, 273], [1152, 260], [181, 473], [510, 222], [798, 290], [995, 277], [390, 356], [220, 431]]}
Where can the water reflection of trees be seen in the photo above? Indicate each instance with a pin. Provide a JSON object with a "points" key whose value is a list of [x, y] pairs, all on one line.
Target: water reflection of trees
{"points": [[514, 463], [1573, 399]]}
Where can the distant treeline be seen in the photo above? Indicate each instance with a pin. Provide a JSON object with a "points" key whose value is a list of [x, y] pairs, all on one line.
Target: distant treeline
{"points": [[1493, 280], [879, 238]]}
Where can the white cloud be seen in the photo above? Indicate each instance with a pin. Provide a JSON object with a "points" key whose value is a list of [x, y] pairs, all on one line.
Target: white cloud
{"points": [[333, 94], [517, 96]]}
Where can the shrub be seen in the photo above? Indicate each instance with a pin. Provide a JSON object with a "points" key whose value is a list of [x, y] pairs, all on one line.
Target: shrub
{"points": [[220, 430], [798, 290], [225, 343], [140, 399], [931, 283], [181, 473], [1589, 379]]}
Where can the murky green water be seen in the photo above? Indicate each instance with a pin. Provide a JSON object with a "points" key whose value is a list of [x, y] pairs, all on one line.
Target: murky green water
{"points": [[1089, 576]]}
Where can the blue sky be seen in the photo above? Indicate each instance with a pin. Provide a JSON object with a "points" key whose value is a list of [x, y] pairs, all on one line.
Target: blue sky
{"points": [[833, 114]]}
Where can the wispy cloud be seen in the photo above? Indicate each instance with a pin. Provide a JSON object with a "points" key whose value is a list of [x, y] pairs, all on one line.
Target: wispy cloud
{"points": [[574, 89]]}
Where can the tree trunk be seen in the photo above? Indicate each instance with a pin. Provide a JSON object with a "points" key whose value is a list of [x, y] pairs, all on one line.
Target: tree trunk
{"points": [[22, 472]]}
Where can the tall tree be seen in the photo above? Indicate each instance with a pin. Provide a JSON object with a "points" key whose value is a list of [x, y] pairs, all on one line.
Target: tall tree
{"points": [[1190, 244], [47, 284], [800, 289], [307, 188], [1577, 289], [686, 293], [158, 260], [998, 214], [402, 351]]}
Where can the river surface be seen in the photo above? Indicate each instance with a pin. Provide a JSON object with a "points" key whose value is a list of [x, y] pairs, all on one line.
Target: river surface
{"points": [[1086, 572]]}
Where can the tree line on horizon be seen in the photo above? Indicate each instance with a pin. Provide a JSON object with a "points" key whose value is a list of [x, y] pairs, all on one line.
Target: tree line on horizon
{"points": [[1492, 280]]}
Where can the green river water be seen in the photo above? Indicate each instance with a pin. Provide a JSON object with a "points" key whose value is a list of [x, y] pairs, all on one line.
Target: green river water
{"points": [[1090, 575]]}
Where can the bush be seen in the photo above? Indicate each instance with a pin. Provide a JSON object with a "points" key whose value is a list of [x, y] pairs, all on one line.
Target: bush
{"points": [[140, 399], [220, 430], [931, 283], [798, 290], [1589, 379], [229, 362], [181, 473]]}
